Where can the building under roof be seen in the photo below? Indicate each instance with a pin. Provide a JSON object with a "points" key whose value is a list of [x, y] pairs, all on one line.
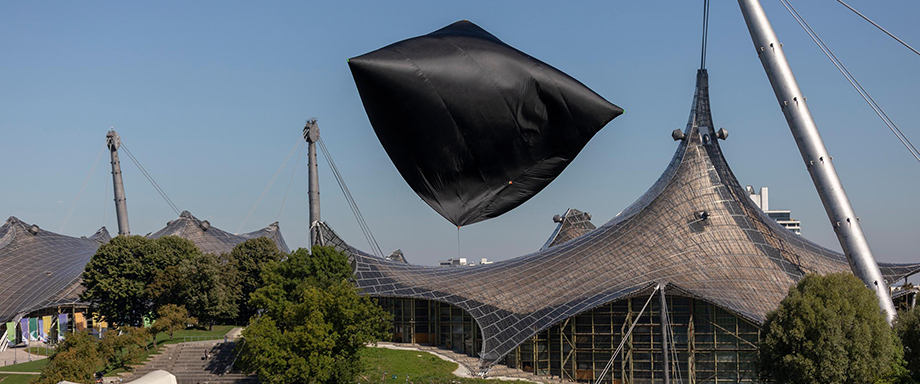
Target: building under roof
{"points": [[41, 269], [214, 240], [695, 232]]}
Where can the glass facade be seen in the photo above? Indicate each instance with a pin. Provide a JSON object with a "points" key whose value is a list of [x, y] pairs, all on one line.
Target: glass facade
{"points": [[708, 344]]}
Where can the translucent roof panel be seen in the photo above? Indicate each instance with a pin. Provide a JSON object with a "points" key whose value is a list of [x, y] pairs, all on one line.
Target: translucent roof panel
{"points": [[694, 230], [214, 240], [39, 268]]}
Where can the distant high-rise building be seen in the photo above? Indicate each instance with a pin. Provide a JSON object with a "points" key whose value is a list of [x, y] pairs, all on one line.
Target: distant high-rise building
{"points": [[782, 216]]}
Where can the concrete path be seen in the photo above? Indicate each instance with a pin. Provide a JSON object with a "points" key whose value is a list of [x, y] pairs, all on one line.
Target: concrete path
{"points": [[19, 355]]}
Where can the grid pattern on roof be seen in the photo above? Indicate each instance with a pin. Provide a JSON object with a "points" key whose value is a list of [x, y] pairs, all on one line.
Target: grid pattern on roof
{"points": [[40, 268], [214, 240], [695, 229]]}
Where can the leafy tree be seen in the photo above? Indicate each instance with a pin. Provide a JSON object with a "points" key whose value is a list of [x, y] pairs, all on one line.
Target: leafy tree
{"points": [[204, 291], [170, 318], [76, 359], [313, 322], [828, 329], [907, 328], [123, 347], [164, 288], [116, 278], [245, 267]]}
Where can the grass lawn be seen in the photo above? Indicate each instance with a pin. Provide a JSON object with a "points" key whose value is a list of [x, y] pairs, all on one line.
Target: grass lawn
{"points": [[31, 366], [422, 367], [42, 351], [16, 379]]}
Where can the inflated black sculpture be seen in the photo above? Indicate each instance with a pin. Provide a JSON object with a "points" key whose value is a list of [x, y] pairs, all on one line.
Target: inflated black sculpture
{"points": [[475, 126]]}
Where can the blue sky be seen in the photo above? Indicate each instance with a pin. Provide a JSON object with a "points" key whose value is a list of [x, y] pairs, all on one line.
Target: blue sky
{"points": [[211, 96]]}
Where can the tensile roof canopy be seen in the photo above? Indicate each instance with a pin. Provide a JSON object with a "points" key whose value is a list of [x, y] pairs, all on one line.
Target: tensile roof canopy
{"points": [[475, 126]]}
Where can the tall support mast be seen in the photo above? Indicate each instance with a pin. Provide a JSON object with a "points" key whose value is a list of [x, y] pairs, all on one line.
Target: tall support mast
{"points": [[665, 349], [121, 205], [817, 160], [311, 135]]}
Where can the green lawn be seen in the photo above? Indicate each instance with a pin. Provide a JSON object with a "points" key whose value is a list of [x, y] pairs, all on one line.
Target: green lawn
{"points": [[42, 351], [218, 332], [31, 366], [422, 367], [16, 379]]}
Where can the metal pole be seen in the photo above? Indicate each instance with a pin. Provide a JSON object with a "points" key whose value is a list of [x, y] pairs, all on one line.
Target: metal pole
{"points": [[121, 205], [311, 135], [817, 160], [664, 336]]}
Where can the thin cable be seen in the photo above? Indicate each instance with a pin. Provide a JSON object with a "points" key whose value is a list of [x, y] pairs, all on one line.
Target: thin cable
{"points": [[368, 235], [150, 179], [458, 244], [626, 336], [92, 170], [675, 364], [705, 33], [852, 80], [296, 163], [299, 142], [105, 201], [879, 27]]}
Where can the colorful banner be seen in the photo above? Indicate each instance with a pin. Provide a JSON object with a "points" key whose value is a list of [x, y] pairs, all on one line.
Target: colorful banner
{"points": [[33, 329], [79, 322], [46, 327], [24, 327], [62, 326], [11, 332], [99, 325]]}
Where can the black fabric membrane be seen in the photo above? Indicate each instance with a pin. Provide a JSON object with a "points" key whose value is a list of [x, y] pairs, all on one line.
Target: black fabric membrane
{"points": [[475, 127]]}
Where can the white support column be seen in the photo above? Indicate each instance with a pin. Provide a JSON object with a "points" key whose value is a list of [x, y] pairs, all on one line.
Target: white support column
{"points": [[817, 160]]}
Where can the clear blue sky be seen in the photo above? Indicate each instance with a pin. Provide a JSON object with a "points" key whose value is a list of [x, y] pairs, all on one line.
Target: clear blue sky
{"points": [[210, 96]]}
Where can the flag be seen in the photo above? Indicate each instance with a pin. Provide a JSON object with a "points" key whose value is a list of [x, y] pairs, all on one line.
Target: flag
{"points": [[46, 326], [11, 332], [79, 322], [33, 329], [24, 327], [62, 326]]}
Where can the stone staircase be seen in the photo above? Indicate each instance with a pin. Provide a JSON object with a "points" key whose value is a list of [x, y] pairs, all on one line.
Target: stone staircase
{"points": [[471, 363], [199, 362]]}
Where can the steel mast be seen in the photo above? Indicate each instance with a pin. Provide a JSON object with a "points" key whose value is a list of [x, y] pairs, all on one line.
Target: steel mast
{"points": [[817, 160], [113, 141], [311, 135]]}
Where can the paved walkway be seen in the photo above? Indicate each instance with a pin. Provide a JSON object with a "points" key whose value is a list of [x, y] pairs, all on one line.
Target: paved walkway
{"points": [[18, 355]]}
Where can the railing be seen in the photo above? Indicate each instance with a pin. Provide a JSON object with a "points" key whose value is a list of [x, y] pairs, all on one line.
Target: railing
{"points": [[4, 341], [236, 355], [203, 338]]}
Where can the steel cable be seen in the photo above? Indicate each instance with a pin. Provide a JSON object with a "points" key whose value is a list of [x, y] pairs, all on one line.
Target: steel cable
{"points": [[368, 235], [150, 179], [284, 199], [852, 80], [298, 143], [629, 332], [92, 170], [879, 27]]}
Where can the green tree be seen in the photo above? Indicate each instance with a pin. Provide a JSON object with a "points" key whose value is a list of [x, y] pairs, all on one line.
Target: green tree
{"points": [[245, 262], [164, 287], [123, 347], [828, 329], [313, 323], [204, 291], [170, 318], [76, 359], [116, 278], [907, 327]]}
